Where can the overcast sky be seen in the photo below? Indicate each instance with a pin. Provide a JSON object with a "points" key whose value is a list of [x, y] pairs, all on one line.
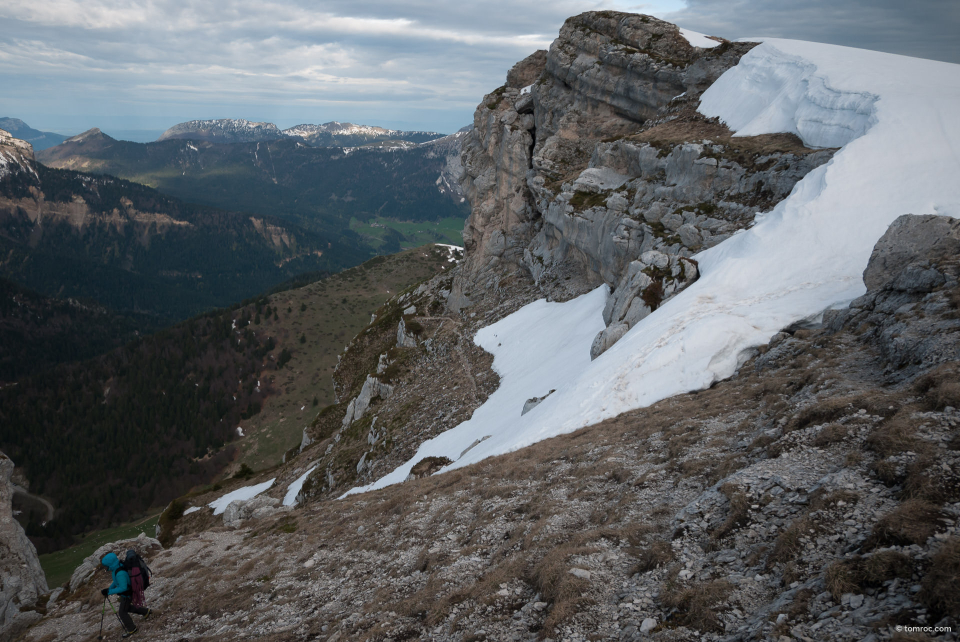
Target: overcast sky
{"points": [[68, 65]]}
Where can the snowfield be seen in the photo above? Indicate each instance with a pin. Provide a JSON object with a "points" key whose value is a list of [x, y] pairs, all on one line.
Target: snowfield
{"points": [[241, 495], [897, 121]]}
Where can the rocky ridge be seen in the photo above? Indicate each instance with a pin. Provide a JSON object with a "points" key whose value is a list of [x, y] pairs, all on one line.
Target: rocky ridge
{"points": [[813, 496], [332, 134], [37, 139], [224, 130], [591, 165]]}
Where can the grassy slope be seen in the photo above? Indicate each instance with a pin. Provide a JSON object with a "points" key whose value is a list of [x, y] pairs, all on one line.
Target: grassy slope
{"points": [[59, 566], [337, 308], [448, 230]]}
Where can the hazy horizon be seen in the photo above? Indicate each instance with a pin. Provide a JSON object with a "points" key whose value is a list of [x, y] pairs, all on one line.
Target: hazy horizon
{"points": [[69, 65]]}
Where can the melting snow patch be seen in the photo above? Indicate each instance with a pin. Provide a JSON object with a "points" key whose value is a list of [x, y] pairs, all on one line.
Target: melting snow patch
{"points": [[192, 509], [454, 252], [294, 489], [698, 39], [241, 494]]}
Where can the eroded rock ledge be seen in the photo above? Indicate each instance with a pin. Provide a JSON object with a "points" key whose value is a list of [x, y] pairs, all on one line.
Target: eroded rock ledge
{"points": [[592, 156]]}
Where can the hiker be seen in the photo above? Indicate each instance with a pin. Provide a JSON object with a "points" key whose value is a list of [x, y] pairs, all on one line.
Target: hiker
{"points": [[124, 591]]}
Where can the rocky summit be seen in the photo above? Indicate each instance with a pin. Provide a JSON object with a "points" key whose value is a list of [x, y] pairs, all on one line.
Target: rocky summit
{"points": [[811, 494]]}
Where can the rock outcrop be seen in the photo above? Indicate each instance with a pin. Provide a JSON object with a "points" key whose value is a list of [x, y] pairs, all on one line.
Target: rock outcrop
{"points": [[372, 388], [258, 507], [909, 312], [22, 580], [592, 155], [405, 339], [146, 547]]}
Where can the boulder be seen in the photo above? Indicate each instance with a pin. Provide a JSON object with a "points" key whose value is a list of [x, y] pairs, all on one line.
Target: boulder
{"points": [[145, 546], [646, 284], [255, 508], [305, 441], [908, 312], [912, 239]]}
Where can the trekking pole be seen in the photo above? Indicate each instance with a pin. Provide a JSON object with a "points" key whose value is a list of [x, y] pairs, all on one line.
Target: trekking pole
{"points": [[117, 614], [103, 612]]}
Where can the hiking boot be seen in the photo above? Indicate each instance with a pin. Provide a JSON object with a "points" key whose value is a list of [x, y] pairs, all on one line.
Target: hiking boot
{"points": [[149, 613], [129, 633]]}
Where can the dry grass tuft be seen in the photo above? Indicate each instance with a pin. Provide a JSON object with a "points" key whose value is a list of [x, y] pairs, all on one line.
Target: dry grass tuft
{"points": [[819, 413], [830, 434], [853, 575], [912, 522], [552, 578], [939, 592], [790, 541], [894, 436], [940, 386], [651, 555], [821, 499], [697, 604], [429, 465], [800, 605]]}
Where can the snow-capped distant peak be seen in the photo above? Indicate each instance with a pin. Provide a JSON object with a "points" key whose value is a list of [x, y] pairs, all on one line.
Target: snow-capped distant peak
{"points": [[232, 130], [15, 155]]}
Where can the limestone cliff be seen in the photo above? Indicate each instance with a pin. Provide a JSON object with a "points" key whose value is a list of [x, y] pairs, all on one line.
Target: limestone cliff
{"points": [[22, 580], [592, 166]]}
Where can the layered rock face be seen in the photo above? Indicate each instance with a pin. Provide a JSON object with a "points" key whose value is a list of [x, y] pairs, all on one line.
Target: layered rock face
{"points": [[21, 579], [591, 166]]}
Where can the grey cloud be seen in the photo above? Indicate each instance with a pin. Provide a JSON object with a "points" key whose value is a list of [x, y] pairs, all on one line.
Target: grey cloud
{"points": [[338, 58], [921, 28], [73, 64]]}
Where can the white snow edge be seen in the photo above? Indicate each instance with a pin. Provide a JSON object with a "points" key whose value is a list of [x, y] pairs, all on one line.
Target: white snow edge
{"points": [[241, 494], [698, 39], [294, 489]]}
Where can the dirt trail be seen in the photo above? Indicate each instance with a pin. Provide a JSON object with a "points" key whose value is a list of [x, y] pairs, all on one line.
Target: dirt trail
{"points": [[48, 505]]}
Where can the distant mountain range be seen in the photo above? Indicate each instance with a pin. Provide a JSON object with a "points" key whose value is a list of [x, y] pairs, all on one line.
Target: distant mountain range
{"points": [[325, 189], [332, 134], [136, 251], [38, 139]]}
